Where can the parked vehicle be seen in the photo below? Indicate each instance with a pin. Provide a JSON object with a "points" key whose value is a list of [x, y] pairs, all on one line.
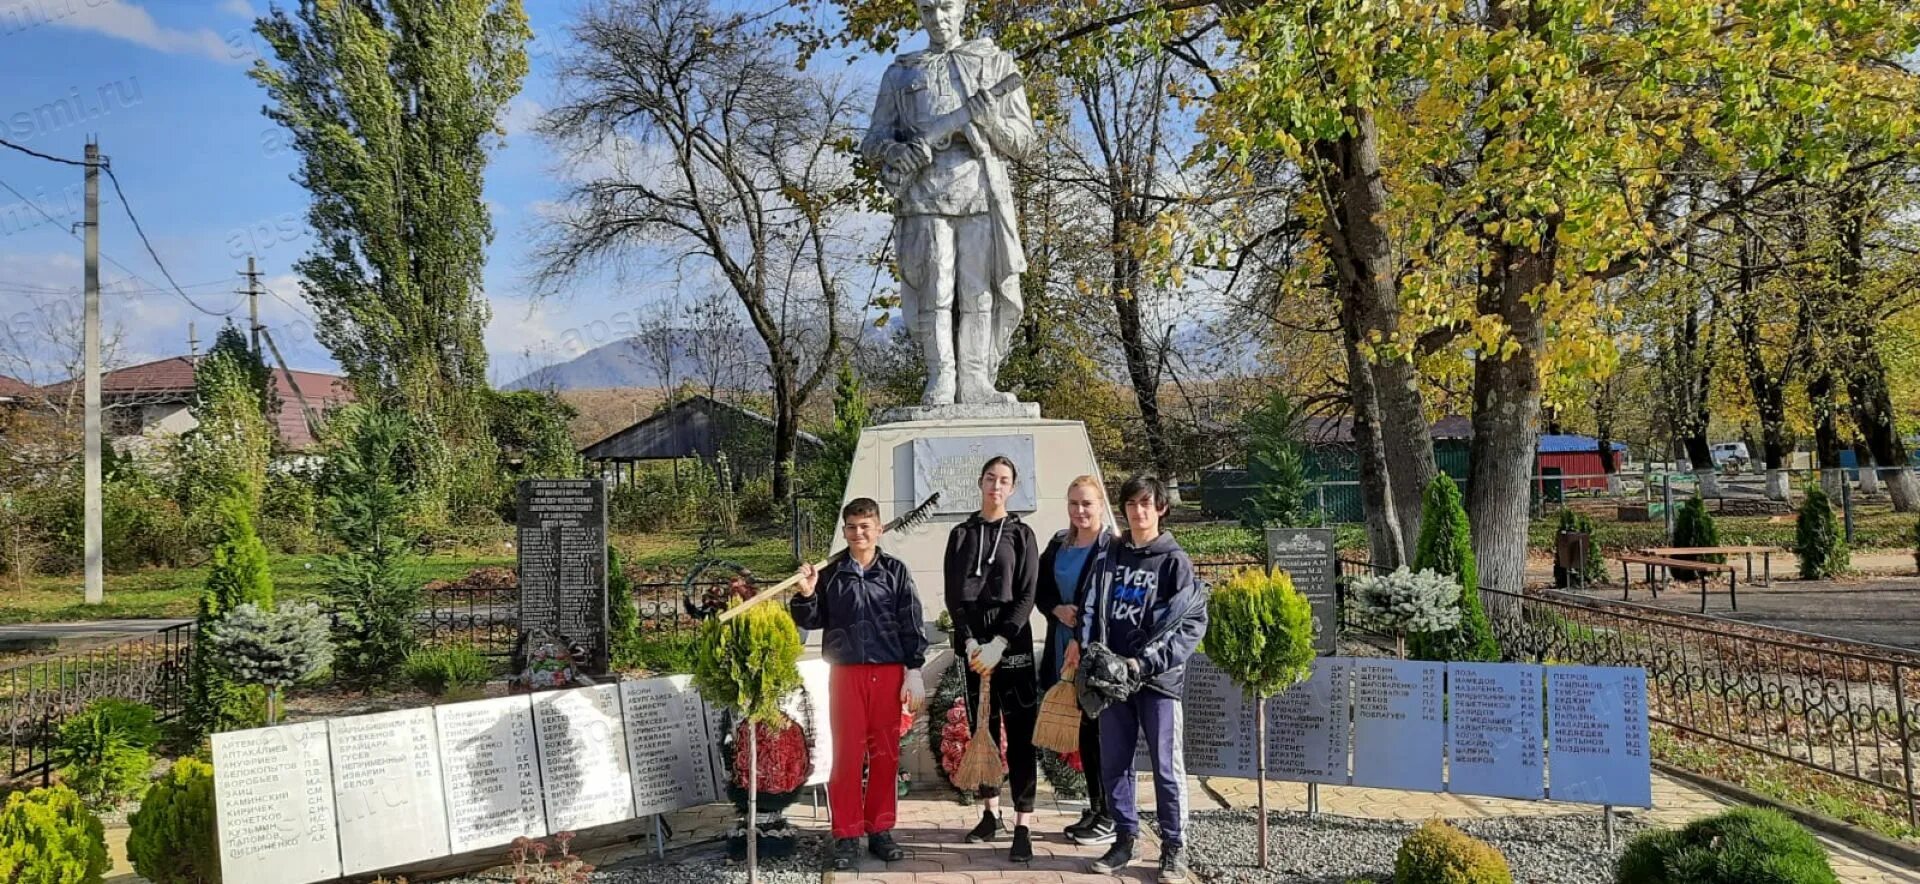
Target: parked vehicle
{"points": [[1731, 455]]}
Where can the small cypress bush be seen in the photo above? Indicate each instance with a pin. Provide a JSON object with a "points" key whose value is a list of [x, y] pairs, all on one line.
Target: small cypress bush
{"points": [[1437, 853], [622, 620], [1260, 631], [1817, 538], [102, 753], [447, 669], [748, 663], [172, 834], [1694, 526], [238, 575], [47, 836], [1745, 845], [1446, 547]]}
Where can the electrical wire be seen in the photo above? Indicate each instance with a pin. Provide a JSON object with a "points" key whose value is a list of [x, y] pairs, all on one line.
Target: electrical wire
{"points": [[34, 153], [128, 208]]}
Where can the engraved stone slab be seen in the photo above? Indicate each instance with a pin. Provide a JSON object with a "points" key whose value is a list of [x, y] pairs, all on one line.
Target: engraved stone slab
{"points": [[387, 790], [583, 757], [492, 772], [813, 676], [1398, 730], [1597, 749], [1493, 730], [1307, 726], [951, 465], [274, 802], [1217, 719], [669, 749], [562, 562], [1312, 558]]}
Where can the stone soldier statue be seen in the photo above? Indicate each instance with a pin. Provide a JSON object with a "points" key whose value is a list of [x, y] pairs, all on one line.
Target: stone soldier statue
{"points": [[945, 124]]}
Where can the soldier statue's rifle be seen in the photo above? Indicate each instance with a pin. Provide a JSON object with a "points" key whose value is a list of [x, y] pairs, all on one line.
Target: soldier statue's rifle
{"points": [[939, 130]]}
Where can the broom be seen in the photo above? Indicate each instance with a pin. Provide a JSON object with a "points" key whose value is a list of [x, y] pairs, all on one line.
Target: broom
{"points": [[1058, 727], [981, 765], [907, 519]]}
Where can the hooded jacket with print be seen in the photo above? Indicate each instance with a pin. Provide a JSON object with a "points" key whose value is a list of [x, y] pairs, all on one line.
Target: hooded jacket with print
{"points": [[992, 573], [1148, 604]]}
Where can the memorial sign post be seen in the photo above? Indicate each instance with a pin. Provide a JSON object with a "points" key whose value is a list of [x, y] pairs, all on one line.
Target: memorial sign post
{"points": [[562, 550], [1309, 554]]}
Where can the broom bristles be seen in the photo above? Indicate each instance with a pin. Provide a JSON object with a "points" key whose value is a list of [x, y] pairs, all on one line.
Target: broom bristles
{"points": [[1058, 728], [980, 766]]}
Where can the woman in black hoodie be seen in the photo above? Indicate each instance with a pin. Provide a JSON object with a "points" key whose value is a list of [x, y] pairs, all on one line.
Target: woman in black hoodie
{"points": [[992, 571], [1068, 569]]}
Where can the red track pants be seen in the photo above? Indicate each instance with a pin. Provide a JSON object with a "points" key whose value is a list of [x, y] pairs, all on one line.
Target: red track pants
{"points": [[863, 708]]}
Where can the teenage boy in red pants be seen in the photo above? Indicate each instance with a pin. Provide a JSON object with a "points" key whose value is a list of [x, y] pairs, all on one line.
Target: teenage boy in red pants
{"points": [[872, 636]]}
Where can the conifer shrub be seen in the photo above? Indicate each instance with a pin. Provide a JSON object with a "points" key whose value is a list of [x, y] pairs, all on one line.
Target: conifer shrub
{"points": [[273, 649], [171, 840], [1260, 631], [748, 663], [447, 669], [238, 575], [1817, 538], [1437, 853], [48, 836], [1694, 526], [101, 754], [1745, 845], [1446, 547]]}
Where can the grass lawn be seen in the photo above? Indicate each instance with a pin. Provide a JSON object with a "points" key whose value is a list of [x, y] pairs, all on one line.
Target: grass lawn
{"points": [[1878, 528], [175, 592]]}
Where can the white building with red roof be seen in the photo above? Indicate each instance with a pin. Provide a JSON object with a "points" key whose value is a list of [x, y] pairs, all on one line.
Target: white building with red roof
{"points": [[153, 399]]}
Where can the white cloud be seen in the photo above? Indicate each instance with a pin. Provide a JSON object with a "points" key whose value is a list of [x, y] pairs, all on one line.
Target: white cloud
{"points": [[521, 116], [237, 7], [127, 21]]}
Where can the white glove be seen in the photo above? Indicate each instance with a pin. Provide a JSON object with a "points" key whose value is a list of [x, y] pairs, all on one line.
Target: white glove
{"points": [[973, 647], [988, 656], [913, 691]]}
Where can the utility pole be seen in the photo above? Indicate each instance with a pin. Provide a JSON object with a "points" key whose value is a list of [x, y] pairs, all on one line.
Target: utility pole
{"points": [[193, 342], [253, 307], [96, 565]]}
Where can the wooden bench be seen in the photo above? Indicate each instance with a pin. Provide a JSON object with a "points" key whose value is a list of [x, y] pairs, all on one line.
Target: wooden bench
{"points": [[1652, 562], [1766, 556]]}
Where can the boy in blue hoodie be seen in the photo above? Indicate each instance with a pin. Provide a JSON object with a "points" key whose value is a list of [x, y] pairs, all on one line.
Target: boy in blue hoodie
{"points": [[1149, 609]]}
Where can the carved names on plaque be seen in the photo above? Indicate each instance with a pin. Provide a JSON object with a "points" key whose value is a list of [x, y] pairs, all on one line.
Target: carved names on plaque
{"points": [[1307, 726], [563, 563], [583, 757], [951, 465], [669, 747], [1597, 749], [273, 797], [387, 789], [1219, 737], [1398, 727], [492, 772], [1312, 558], [1493, 730]]}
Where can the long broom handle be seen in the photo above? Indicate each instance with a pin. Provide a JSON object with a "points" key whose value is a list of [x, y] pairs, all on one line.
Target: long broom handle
{"points": [[772, 591]]}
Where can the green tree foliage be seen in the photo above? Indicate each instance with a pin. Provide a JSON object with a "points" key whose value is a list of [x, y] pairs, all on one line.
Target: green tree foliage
{"points": [[826, 476], [1745, 845], [102, 753], [1261, 632], [449, 669], [1437, 853], [227, 453], [749, 663], [1694, 526], [1817, 539], [1276, 460], [275, 649], [1408, 602], [366, 503], [171, 838], [394, 106], [1446, 547], [530, 429], [623, 620], [231, 343], [237, 576], [47, 836]]}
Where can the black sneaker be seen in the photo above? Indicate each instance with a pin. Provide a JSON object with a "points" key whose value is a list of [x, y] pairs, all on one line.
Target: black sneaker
{"points": [[1022, 850], [1074, 828], [988, 827], [881, 845], [1173, 864], [846, 853], [1116, 858], [1100, 831]]}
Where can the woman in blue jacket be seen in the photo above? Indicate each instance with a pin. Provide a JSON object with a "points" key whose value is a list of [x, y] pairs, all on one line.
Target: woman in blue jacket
{"points": [[1067, 567]]}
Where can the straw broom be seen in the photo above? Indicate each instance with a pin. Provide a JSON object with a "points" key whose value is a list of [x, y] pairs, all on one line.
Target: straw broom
{"points": [[981, 765], [1058, 727]]}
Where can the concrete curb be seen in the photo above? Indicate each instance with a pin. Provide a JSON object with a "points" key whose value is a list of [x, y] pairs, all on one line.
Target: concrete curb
{"points": [[1860, 838]]}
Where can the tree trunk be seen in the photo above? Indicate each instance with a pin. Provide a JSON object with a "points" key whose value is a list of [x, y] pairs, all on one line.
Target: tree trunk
{"points": [[786, 430], [1142, 370], [1869, 477], [1605, 407], [1700, 458], [1506, 412], [1873, 414], [1386, 546], [1826, 434], [1362, 248]]}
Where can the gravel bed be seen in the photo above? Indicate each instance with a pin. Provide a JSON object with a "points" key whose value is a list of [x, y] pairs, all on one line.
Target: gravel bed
{"points": [[704, 864], [1561, 849]]}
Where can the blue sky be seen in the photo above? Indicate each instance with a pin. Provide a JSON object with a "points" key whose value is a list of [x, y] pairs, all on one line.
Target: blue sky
{"points": [[163, 85]]}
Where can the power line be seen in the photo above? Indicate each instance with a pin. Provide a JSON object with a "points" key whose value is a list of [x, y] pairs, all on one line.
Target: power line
{"points": [[128, 208], [34, 153], [297, 308]]}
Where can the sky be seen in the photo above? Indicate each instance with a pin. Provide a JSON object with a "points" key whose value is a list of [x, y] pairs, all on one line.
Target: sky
{"points": [[162, 84]]}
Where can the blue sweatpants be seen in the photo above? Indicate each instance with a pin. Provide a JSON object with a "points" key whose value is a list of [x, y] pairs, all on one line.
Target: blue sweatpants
{"points": [[1121, 724]]}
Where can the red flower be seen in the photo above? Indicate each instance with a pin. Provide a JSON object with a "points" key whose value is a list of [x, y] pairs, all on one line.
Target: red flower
{"points": [[784, 761], [1073, 761]]}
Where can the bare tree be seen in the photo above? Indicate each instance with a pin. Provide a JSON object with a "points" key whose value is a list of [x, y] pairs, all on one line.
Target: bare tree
{"points": [[718, 347], [740, 170], [657, 343]]}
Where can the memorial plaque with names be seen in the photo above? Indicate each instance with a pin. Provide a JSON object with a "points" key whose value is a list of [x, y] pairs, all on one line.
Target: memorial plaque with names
{"points": [[387, 791], [583, 757], [1597, 750], [1308, 728], [1309, 554], [814, 677], [1218, 735], [951, 465], [669, 749], [273, 799], [562, 528], [492, 770], [1493, 730], [1398, 728]]}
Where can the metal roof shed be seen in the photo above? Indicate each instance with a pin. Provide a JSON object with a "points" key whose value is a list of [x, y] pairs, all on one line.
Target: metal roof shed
{"points": [[697, 426]]}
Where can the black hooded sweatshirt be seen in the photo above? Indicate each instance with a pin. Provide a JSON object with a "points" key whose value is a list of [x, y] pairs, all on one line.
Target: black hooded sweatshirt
{"points": [[992, 573]]}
